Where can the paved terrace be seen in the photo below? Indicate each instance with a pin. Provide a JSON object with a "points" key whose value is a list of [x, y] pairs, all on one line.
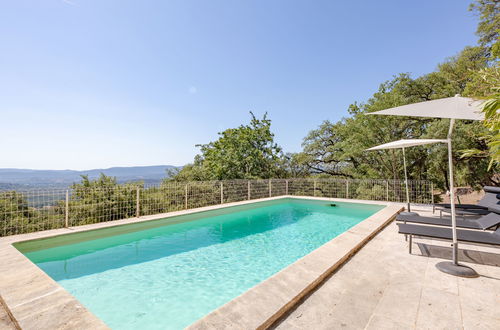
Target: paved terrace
{"points": [[384, 287]]}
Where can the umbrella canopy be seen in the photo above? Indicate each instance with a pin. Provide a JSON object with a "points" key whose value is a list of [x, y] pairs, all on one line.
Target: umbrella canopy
{"points": [[406, 143], [456, 107], [402, 144]]}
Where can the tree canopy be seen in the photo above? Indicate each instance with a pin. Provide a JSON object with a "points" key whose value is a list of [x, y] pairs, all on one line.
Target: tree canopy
{"points": [[488, 28], [245, 152], [340, 148]]}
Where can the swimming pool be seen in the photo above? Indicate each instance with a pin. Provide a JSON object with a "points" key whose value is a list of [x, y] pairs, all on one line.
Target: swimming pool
{"points": [[169, 273]]}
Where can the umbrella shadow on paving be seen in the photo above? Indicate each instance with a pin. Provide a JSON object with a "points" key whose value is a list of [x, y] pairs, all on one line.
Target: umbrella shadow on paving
{"points": [[471, 256]]}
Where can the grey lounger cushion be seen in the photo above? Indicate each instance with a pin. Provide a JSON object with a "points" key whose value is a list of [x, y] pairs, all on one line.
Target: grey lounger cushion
{"points": [[471, 236], [495, 209], [464, 211], [488, 221], [492, 189], [463, 206], [488, 200]]}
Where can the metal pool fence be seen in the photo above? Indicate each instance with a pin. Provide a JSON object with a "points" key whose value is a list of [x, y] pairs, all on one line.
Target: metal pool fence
{"points": [[36, 210]]}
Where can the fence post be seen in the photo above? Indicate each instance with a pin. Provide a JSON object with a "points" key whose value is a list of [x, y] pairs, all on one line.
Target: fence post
{"points": [[314, 189], [186, 196], [387, 190], [66, 211], [286, 187], [137, 203], [270, 193], [432, 193], [347, 188], [221, 193], [248, 189]]}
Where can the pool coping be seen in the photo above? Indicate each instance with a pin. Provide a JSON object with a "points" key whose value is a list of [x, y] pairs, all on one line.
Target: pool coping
{"points": [[34, 300]]}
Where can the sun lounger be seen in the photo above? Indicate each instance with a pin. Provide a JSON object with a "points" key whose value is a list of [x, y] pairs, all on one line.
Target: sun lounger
{"points": [[491, 220], [464, 212], [469, 236], [491, 197]]}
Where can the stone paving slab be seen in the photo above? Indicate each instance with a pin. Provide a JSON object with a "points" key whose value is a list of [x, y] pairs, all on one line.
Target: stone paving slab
{"points": [[384, 287], [6, 323]]}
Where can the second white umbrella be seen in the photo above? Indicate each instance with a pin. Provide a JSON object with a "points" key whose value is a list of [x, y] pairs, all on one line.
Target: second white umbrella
{"points": [[402, 144]]}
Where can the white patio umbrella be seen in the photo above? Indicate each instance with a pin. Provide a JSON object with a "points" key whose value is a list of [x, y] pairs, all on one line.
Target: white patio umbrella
{"points": [[402, 144], [456, 107], [453, 108]]}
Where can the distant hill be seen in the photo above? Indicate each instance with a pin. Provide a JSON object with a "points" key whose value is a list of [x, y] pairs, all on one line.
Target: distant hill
{"points": [[14, 178]]}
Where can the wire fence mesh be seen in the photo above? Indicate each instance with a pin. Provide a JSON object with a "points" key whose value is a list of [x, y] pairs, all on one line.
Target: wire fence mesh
{"points": [[36, 210]]}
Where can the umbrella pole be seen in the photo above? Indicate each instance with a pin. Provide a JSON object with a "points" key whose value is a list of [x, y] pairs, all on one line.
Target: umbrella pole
{"points": [[452, 196], [454, 268], [406, 182]]}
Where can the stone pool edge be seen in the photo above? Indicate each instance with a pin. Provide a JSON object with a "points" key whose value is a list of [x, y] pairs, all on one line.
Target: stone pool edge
{"points": [[264, 304], [35, 301]]}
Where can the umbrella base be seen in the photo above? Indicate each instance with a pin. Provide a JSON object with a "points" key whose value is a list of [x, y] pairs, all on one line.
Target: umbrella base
{"points": [[409, 213], [451, 268]]}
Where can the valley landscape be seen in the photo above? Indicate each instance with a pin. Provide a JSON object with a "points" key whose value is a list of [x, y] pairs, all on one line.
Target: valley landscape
{"points": [[26, 179]]}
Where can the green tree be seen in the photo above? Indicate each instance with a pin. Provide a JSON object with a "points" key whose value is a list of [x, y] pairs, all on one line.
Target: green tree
{"points": [[485, 83], [102, 199], [460, 70], [14, 212], [17, 216], [488, 28], [292, 166], [245, 152], [339, 149], [491, 109]]}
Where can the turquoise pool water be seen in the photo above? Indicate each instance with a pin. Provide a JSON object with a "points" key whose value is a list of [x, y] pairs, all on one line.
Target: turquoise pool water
{"points": [[171, 274]]}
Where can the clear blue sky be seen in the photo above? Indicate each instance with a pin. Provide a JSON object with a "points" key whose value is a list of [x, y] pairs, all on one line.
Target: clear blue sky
{"points": [[98, 83]]}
